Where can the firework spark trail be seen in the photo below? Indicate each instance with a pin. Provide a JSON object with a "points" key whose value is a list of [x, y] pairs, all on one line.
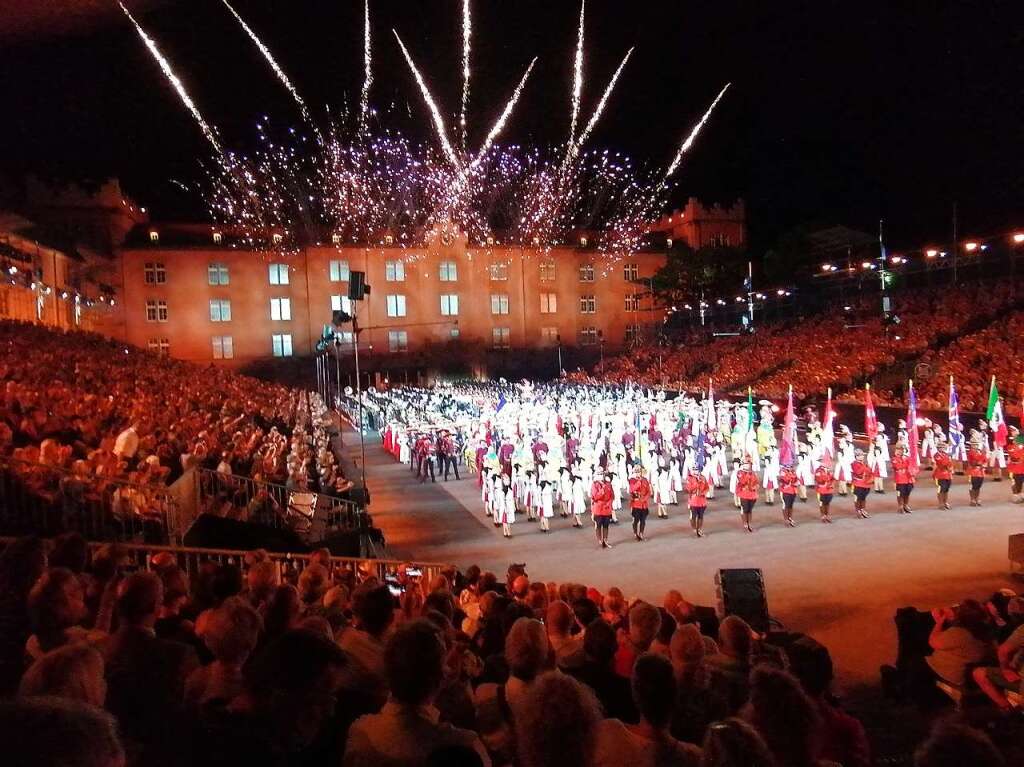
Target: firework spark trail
{"points": [[499, 124], [685, 147], [577, 77], [467, 30], [273, 63], [364, 101], [442, 131], [601, 104], [165, 66]]}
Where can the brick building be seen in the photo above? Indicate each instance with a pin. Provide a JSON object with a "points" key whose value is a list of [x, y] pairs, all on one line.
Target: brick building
{"points": [[706, 226]]}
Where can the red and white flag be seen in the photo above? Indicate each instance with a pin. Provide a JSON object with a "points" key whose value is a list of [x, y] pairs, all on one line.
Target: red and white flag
{"points": [[994, 415], [828, 436], [870, 419]]}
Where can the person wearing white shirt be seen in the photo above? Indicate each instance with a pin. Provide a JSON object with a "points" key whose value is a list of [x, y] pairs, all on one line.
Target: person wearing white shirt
{"points": [[127, 442]]}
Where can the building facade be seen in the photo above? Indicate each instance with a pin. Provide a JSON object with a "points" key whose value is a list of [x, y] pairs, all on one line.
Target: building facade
{"points": [[701, 226]]}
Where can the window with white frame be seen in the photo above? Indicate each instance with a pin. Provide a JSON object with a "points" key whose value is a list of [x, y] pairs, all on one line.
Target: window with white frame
{"points": [[588, 336], [500, 338], [453, 333], [220, 310], [398, 341], [449, 305], [154, 236], [499, 270], [588, 304], [631, 272], [341, 304], [278, 274], [282, 344], [548, 303], [499, 303], [345, 338], [338, 270], [218, 238], [280, 309], [396, 306], [154, 273], [217, 274], [549, 336], [223, 347], [159, 345], [719, 240], [448, 271], [394, 271], [156, 311], [633, 303], [587, 273], [633, 333], [547, 270]]}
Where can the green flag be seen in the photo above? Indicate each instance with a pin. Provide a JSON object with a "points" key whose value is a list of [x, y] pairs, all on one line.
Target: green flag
{"points": [[750, 409]]}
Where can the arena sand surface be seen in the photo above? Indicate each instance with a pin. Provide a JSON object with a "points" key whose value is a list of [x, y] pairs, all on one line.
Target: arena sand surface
{"points": [[840, 583]]}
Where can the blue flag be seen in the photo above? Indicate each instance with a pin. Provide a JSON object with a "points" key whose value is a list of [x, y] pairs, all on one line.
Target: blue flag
{"points": [[699, 458], [956, 429], [501, 403]]}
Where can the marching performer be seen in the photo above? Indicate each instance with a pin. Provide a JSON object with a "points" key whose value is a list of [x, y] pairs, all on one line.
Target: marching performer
{"points": [[844, 460], [789, 483], [733, 479], [663, 492], [639, 496], [770, 479], [547, 505], [976, 459], [601, 493], [578, 502], [863, 479], [1015, 463], [903, 477], [928, 444], [824, 484], [507, 506], [878, 458], [697, 486], [943, 474], [746, 488], [804, 471], [616, 481]]}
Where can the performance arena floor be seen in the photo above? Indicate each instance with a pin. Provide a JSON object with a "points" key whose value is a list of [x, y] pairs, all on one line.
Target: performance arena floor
{"points": [[840, 583]]}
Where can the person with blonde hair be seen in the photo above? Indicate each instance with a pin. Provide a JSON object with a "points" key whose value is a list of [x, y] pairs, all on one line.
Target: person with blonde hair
{"points": [[73, 671], [644, 623], [557, 723]]}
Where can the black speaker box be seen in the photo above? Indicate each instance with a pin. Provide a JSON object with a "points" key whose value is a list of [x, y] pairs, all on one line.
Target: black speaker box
{"points": [[210, 532], [741, 592], [356, 285]]}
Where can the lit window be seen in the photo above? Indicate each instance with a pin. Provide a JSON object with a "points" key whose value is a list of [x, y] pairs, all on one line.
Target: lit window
{"points": [[398, 341], [631, 272], [223, 347], [159, 345], [633, 303], [396, 306], [454, 333], [156, 311], [587, 273], [345, 338], [154, 273], [719, 240], [632, 333], [282, 344], [588, 304], [549, 336], [449, 271], [548, 303], [341, 304], [588, 336], [499, 271], [339, 271], [394, 271], [220, 310], [500, 338], [279, 274], [218, 238], [449, 305], [280, 308], [217, 274], [547, 270], [336, 239], [277, 239], [154, 235], [388, 239], [583, 242], [499, 304]]}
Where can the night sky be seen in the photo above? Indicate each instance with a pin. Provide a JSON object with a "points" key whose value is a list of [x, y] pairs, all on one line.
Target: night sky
{"points": [[839, 112]]}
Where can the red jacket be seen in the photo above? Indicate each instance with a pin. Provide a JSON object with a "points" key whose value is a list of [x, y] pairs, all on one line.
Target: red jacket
{"points": [[1015, 458], [639, 492], [788, 482], [943, 466], [862, 474], [747, 485], [601, 495], [824, 480], [901, 473], [697, 486], [976, 460]]}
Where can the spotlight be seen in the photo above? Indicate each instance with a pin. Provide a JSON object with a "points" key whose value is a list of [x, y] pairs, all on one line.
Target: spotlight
{"points": [[931, 253], [970, 247], [1018, 237]]}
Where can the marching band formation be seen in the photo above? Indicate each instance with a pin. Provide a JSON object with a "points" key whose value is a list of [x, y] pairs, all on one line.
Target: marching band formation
{"points": [[568, 451]]}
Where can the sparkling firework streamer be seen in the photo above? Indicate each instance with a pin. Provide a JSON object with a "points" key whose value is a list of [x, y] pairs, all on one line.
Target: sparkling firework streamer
{"points": [[273, 63], [499, 124], [693, 133], [467, 30], [439, 126], [364, 101], [599, 110], [577, 77], [165, 66]]}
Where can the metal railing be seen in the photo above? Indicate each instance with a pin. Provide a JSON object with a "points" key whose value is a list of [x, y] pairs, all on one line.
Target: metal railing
{"points": [[46, 500]]}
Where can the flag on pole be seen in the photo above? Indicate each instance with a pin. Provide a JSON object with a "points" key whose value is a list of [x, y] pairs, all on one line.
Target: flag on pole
{"points": [[958, 449], [699, 450], [710, 405], [994, 416], [827, 433], [914, 456], [750, 409], [870, 419], [787, 452]]}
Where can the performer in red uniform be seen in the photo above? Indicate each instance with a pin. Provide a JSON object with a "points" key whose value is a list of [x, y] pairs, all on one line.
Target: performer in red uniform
{"points": [[863, 478], [825, 485], [697, 487], [747, 485], [903, 477], [1015, 463], [789, 484], [639, 495], [601, 494], [943, 474], [977, 457]]}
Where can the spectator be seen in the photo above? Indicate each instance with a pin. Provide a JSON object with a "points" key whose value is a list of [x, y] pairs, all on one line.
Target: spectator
{"points": [[231, 632], [373, 610], [994, 681], [407, 729], [697, 703], [956, 745], [558, 723], [734, 743], [262, 580], [648, 743], [644, 622], [21, 564], [57, 607], [313, 584], [666, 629], [74, 671], [598, 672], [282, 612], [730, 668], [961, 637], [58, 731], [558, 622], [784, 716]]}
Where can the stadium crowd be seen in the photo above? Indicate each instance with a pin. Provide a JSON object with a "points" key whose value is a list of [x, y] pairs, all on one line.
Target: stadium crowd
{"points": [[272, 665]]}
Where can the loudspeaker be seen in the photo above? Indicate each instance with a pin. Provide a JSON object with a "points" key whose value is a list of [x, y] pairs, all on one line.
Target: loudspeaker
{"points": [[210, 532], [741, 592], [357, 285]]}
